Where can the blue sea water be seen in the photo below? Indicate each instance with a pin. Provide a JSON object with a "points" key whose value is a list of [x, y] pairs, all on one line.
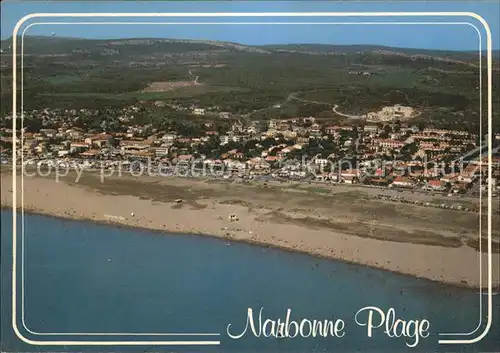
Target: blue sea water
{"points": [[81, 277]]}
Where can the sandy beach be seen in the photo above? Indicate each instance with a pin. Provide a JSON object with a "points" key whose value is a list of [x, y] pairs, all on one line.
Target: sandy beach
{"points": [[340, 222]]}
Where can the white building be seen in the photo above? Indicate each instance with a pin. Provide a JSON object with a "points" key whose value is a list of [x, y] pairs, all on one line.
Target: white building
{"points": [[199, 111], [391, 113]]}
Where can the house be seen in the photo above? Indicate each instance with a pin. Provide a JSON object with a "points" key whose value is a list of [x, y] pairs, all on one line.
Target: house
{"points": [[289, 134], [435, 185], [257, 163], [390, 113], [323, 177], [460, 188], [450, 178], [225, 139], [395, 135], [183, 140], [332, 129], [237, 126], [402, 182], [184, 158], [315, 128], [472, 169], [161, 151], [140, 154], [348, 143], [42, 148], [90, 153], [217, 162], [271, 159], [350, 180], [321, 161], [431, 173], [370, 129], [48, 132], [303, 140], [334, 177], [387, 143], [377, 181], [280, 154], [74, 134], [199, 111], [379, 173], [128, 145], [466, 178], [283, 125], [236, 165], [310, 119], [272, 124], [252, 130], [331, 176], [100, 141], [355, 173], [169, 137], [78, 147]]}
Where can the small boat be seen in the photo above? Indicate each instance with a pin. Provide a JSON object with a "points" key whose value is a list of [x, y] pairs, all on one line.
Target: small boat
{"points": [[228, 244], [109, 259]]}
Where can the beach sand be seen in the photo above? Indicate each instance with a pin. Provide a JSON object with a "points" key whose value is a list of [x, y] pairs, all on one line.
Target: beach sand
{"points": [[342, 222]]}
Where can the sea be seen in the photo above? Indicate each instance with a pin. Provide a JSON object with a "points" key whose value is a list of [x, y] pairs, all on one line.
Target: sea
{"points": [[78, 281]]}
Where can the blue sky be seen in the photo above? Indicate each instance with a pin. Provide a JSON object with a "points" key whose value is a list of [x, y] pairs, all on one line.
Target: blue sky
{"points": [[429, 36]]}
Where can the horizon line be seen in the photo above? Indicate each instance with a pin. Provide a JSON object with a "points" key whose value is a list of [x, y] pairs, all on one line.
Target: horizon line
{"points": [[249, 45]]}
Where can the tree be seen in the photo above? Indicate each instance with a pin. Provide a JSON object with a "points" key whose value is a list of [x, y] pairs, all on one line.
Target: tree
{"points": [[410, 149], [249, 145], [384, 135], [268, 142], [32, 125]]}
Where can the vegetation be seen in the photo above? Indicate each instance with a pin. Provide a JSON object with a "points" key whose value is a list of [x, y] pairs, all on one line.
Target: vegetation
{"points": [[256, 82]]}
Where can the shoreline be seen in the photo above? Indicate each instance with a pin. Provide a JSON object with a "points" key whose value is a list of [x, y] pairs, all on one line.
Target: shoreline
{"points": [[352, 230], [455, 285]]}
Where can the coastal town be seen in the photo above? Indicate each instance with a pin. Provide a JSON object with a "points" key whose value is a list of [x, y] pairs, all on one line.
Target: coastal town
{"points": [[385, 152]]}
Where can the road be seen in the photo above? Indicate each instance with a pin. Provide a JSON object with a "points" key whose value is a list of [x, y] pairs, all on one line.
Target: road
{"points": [[346, 115], [195, 79], [290, 97], [293, 96]]}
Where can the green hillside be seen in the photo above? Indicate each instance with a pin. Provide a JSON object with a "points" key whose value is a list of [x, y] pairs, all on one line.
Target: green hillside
{"points": [[69, 72]]}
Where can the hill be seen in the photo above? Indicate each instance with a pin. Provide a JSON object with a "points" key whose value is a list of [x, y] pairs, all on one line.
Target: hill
{"points": [[253, 81]]}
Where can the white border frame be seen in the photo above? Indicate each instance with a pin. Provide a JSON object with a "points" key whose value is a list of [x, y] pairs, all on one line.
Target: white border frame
{"points": [[231, 23], [267, 14]]}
